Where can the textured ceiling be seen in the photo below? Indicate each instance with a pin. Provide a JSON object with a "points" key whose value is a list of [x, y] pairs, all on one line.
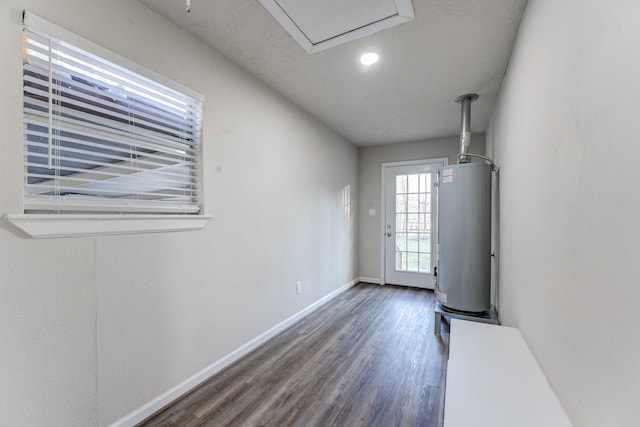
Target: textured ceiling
{"points": [[452, 47]]}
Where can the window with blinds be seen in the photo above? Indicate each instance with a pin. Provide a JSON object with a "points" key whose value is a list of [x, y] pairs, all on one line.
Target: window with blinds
{"points": [[99, 138]]}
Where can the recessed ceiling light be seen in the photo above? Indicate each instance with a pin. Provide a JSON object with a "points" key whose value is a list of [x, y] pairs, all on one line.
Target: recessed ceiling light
{"points": [[369, 58]]}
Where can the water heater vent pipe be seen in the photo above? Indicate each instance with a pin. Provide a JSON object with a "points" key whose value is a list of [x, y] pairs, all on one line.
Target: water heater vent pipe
{"points": [[465, 133]]}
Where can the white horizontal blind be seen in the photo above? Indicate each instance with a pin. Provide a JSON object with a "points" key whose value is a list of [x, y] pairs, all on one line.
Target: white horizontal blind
{"points": [[101, 138]]}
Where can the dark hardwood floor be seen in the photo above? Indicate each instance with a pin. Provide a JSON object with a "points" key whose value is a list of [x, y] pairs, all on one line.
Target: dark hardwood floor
{"points": [[367, 358]]}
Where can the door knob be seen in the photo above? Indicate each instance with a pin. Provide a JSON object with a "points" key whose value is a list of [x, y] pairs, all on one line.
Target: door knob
{"points": [[388, 234]]}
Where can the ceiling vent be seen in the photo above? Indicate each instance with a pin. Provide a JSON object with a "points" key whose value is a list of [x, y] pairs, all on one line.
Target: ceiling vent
{"points": [[320, 24]]}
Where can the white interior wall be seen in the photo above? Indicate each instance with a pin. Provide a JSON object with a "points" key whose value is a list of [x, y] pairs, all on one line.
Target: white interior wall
{"points": [[371, 159], [93, 328], [564, 134]]}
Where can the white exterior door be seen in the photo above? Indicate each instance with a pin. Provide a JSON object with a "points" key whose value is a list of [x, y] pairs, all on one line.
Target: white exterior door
{"points": [[410, 215]]}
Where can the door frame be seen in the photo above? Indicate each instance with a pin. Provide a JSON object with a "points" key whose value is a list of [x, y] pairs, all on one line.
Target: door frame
{"points": [[383, 198]]}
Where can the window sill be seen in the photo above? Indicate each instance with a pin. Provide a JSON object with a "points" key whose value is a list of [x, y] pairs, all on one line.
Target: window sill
{"points": [[40, 226]]}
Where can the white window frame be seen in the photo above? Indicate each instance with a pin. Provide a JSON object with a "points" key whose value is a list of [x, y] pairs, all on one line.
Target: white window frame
{"points": [[46, 225]]}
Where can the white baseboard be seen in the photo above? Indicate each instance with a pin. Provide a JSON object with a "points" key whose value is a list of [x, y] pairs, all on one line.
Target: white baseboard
{"points": [[369, 280], [169, 396]]}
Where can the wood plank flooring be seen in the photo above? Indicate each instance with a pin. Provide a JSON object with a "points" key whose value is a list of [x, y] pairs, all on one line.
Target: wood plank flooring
{"points": [[367, 358]]}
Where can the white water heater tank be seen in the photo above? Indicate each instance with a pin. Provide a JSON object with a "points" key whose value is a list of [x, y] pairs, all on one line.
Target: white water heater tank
{"points": [[464, 236]]}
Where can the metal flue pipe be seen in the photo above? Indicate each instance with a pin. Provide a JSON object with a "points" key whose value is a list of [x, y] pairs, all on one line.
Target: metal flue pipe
{"points": [[465, 133]]}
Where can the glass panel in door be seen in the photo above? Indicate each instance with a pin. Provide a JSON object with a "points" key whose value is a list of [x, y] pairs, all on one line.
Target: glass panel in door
{"points": [[413, 222]]}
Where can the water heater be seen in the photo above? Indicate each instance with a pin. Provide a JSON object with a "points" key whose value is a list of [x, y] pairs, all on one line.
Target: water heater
{"points": [[464, 237]]}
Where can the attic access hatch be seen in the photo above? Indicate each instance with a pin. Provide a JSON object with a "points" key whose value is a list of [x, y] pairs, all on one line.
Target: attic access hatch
{"points": [[320, 24]]}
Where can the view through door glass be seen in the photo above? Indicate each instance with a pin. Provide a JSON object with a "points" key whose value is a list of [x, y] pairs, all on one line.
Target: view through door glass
{"points": [[413, 223]]}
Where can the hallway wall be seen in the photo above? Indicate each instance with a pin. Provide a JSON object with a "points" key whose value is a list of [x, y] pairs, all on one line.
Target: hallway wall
{"points": [[564, 133], [91, 328]]}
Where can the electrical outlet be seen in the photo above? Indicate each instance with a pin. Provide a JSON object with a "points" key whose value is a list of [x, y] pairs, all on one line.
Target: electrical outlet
{"points": [[298, 287]]}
